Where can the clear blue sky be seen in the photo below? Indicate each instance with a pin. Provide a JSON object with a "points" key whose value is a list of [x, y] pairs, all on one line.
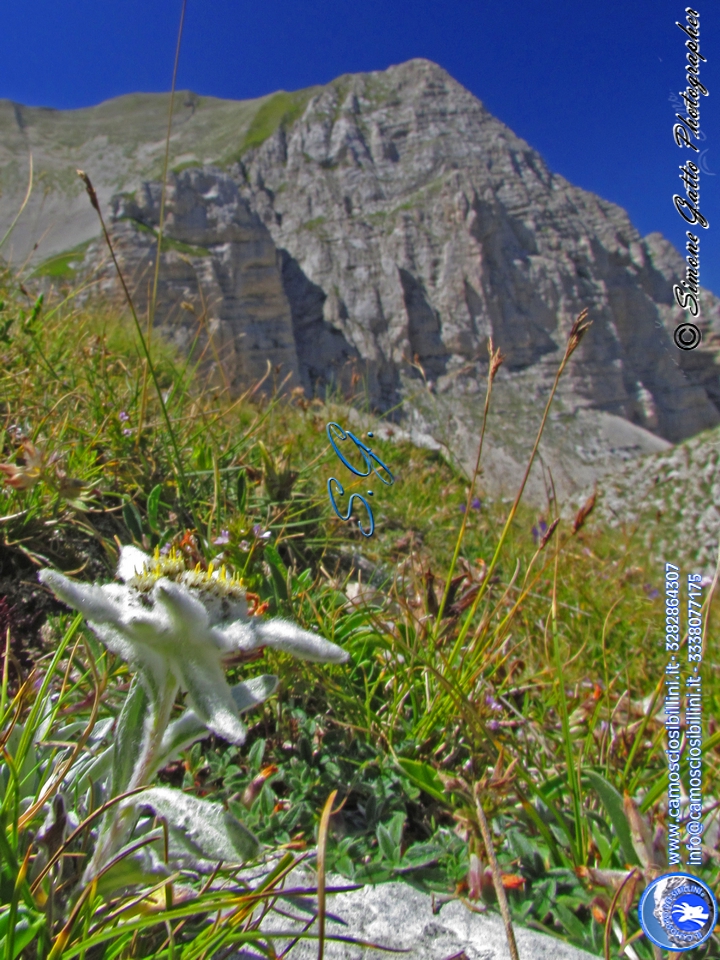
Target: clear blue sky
{"points": [[587, 83]]}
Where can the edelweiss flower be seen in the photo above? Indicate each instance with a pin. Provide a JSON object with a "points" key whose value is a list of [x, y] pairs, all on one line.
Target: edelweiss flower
{"points": [[175, 626]]}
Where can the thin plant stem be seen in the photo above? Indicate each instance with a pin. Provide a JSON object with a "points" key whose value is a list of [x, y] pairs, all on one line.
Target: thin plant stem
{"points": [[187, 501], [577, 331], [321, 849], [4, 684], [497, 878], [495, 360], [161, 223], [573, 774], [22, 205]]}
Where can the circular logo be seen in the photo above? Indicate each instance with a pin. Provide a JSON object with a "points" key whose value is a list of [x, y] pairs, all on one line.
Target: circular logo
{"points": [[678, 912], [687, 336]]}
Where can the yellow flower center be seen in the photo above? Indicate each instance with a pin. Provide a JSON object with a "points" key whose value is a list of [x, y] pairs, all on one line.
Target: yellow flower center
{"points": [[174, 567]]}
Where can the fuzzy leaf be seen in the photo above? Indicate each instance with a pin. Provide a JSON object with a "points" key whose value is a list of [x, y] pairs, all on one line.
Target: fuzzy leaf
{"points": [[141, 868], [254, 691], [201, 832], [386, 843], [128, 745], [395, 827], [90, 768], [189, 728]]}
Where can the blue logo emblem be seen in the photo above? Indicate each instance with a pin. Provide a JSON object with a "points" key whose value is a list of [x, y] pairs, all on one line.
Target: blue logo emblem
{"points": [[678, 912], [367, 456]]}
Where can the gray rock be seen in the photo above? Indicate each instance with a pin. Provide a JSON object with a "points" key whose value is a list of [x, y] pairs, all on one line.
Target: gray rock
{"points": [[673, 499], [398, 916], [219, 283], [426, 225]]}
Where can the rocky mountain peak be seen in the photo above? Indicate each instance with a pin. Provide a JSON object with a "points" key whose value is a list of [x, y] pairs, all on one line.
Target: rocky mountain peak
{"points": [[424, 225], [380, 229]]}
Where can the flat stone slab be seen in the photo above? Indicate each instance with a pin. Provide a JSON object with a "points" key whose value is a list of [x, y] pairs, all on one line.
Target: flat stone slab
{"points": [[400, 917]]}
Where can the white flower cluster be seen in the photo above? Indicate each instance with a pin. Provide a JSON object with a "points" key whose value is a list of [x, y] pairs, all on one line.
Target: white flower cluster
{"points": [[174, 627]]}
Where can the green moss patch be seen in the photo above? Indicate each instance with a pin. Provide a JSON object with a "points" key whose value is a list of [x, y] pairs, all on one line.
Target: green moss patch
{"points": [[62, 266], [280, 110]]}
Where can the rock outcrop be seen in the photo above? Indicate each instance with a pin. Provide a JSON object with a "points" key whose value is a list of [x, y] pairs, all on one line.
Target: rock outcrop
{"points": [[428, 226], [220, 293]]}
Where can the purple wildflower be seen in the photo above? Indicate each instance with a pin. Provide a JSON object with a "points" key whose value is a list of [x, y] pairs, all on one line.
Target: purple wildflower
{"points": [[223, 538], [651, 591], [259, 533], [492, 703], [462, 508], [124, 416], [476, 503], [127, 432], [539, 532]]}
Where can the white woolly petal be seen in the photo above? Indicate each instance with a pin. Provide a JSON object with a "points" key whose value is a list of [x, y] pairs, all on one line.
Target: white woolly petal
{"points": [[240, 635], [187, 615], [153, 666], [90, 600], [284, 635], [210, 696], [131, 562], [223, 610]]}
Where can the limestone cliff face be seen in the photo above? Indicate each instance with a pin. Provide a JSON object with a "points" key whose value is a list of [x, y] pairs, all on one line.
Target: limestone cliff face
{"points": [[415, 224], [392, 227], [220, 291]]}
